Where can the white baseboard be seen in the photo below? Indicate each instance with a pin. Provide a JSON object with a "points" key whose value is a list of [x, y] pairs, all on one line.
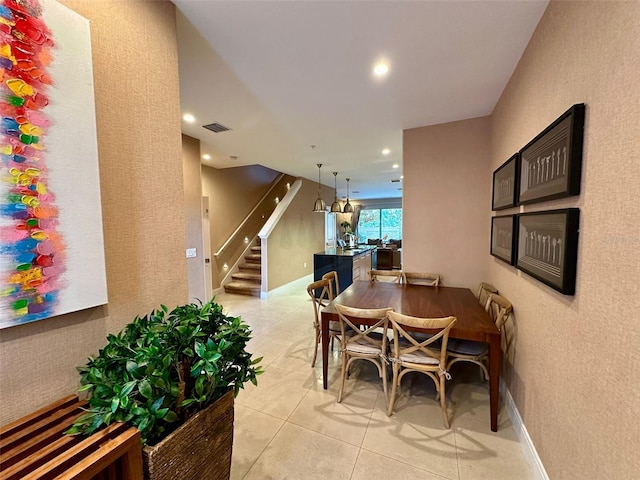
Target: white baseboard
{"points": [[523, 436]]}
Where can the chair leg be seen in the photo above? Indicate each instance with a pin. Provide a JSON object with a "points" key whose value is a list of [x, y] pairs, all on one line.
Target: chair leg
{"points": [[345, 360], [443, 401], [394, 390], [385, 389], [485, 372], [315, 348]]}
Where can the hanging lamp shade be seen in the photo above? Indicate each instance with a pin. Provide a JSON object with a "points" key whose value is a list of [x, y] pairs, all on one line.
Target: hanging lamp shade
{"points": [[335, 206], [319, 206], [348, 208]]}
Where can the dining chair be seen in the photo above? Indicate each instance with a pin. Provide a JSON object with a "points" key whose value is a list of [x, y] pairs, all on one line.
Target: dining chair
{"points": [[334, 284], [388, 276], [361, 341], [409, 353], [499, 309], [427, 279], [484, 290], [319, 302]]}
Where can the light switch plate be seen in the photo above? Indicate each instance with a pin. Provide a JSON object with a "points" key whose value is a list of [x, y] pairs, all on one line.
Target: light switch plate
{"points": [[191, 253]]}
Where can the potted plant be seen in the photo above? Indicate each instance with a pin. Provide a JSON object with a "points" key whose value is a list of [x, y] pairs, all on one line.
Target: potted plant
{"points": [[170, 374]]}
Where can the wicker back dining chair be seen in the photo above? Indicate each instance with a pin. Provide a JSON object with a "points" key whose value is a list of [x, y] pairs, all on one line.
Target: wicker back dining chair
{"points": [[484, 290], [322, 300], [334, 284], [499, 309], [427, 279], [410, 353], [388, 276], [366, 340]]}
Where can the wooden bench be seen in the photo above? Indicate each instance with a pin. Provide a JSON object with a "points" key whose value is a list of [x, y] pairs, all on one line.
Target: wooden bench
{"points": [[35, 447]]}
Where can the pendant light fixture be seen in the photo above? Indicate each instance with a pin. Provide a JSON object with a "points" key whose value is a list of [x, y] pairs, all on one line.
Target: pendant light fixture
{"points": [[319, 206], [348, 208], [335, 206]]}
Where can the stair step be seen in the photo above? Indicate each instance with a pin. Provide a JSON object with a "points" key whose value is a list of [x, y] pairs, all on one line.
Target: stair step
{"points": [[253, 258], [249, 277], [250, 267], [256, 249], [243, 288]]}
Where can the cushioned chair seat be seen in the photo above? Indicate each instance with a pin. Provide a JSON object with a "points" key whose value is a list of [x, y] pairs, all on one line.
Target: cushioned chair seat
{"points": [[417, 356], [467, 347], [362, 346]]}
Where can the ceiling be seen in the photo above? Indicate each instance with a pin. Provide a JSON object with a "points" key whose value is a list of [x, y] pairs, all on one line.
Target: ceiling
{"points": [[286, 75]]}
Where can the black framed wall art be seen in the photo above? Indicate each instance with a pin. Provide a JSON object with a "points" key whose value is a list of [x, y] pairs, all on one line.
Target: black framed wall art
{"points": [[551, 163], [503, 237], [547, 247], [505, 183]]}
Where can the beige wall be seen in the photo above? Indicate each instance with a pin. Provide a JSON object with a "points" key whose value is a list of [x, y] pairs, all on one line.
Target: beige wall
{"points": [[193, 216], [232, 192], [574, 373], [138, 120], [298, 235], [574, 383], [446, 201]]}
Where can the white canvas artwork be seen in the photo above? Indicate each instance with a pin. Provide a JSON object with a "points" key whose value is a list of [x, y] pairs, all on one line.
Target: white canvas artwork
{"points": [[51, 239]]}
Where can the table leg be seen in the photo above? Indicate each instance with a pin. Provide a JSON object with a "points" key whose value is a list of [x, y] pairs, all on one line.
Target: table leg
{"points": [[495, 365], [325, 349]]}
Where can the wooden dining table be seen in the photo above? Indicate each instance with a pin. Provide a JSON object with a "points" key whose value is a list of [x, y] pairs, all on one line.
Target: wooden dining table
{"points": [[473, 322]]}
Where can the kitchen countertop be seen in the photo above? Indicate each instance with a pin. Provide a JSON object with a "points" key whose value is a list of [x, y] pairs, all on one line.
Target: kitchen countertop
{"points": [[346, 252]]}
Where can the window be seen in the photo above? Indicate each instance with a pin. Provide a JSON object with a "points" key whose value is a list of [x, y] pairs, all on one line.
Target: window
{"points": [[377, 222]]}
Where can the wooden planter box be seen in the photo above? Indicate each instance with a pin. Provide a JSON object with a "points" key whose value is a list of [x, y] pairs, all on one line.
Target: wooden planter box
{"points": [[35, 447], [199, 449]]}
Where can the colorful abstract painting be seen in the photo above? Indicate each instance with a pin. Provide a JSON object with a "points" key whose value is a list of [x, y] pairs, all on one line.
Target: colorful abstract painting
{"points": [[51, 243]]}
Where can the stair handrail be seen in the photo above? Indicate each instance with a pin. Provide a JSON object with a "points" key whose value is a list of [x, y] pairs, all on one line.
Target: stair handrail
{"points": [[280, 210], [246, 219]]}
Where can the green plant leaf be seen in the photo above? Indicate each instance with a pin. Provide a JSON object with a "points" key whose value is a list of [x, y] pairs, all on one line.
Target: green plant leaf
{"points": [[115, 403], [171, 417], [145, 389], [127, 388], [161, 412], [200, 349], [157, 404]]}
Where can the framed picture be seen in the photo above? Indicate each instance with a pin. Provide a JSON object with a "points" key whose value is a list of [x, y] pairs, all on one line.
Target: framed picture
{"points": [[503, 237], [52, 258], [551, 163], [505, 183], [547, 247]]}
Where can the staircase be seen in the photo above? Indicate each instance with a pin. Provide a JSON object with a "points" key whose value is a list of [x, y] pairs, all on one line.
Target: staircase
{"points": [[247, 280]]}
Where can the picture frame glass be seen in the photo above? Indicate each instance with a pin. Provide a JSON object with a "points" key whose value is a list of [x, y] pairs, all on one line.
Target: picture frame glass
{"points": [[504, 185], [542, 246], [502, 238], [551, 164]]}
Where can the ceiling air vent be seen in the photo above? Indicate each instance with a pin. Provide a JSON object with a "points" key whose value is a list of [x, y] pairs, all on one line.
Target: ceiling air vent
{"points": [[216, 127], [395, 181]]}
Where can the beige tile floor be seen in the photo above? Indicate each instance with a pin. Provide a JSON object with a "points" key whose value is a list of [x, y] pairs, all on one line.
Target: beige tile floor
{"points": [[288, 427]]}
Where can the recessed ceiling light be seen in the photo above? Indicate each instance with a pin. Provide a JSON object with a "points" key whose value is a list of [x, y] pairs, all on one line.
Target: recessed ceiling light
{"points": [[386, 151], [395, 165], [401, 177], [206, 156], [187, 117], [381, 69]]}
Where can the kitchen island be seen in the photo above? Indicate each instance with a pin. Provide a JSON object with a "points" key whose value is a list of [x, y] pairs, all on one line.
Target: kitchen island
{"points": [[351, 264]]}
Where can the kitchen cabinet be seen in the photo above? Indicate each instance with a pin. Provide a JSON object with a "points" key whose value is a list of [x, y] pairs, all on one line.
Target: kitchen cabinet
{"points": [[349, 264]]}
